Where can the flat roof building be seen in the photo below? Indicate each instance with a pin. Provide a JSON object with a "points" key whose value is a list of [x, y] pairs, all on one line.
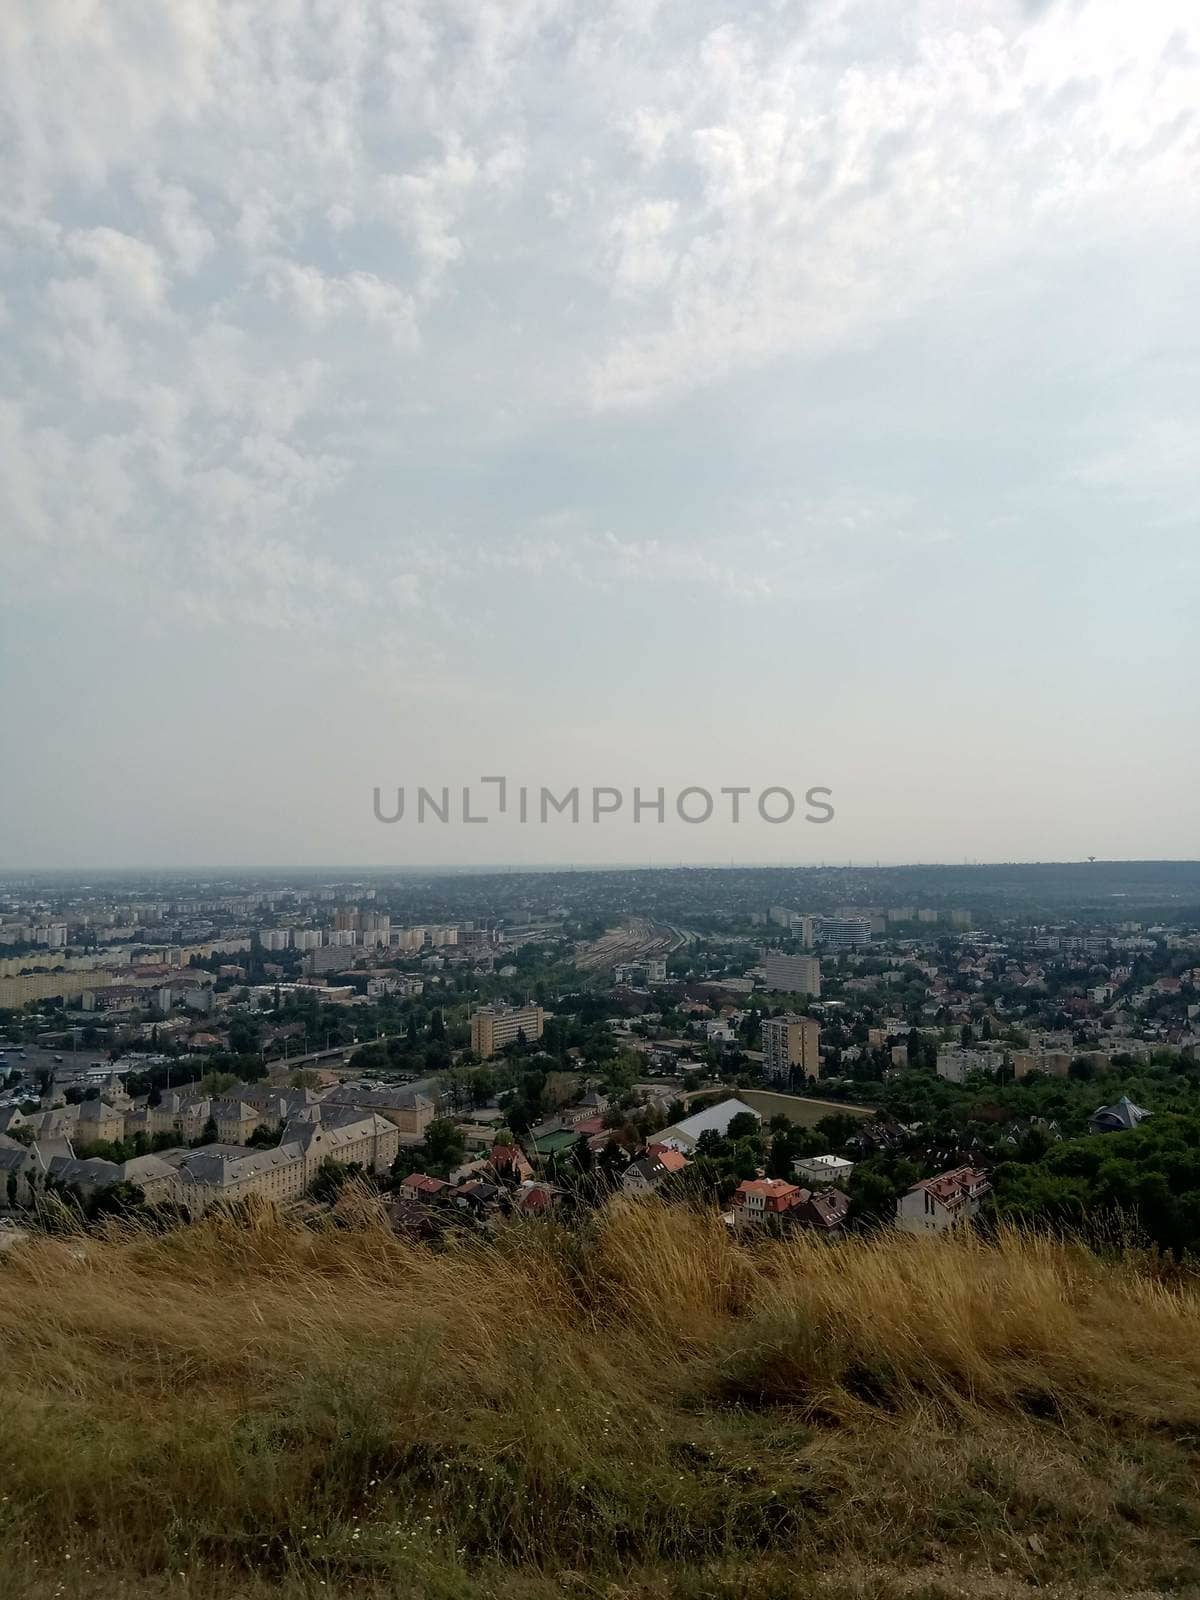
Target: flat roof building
{"points": [[492, 1027], [792, 974], [790, 1044]]}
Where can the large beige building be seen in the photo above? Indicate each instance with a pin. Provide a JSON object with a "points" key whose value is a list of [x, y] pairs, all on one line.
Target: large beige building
{"points": [[60, 985], [792, 974], [1055, 1063], [406, 1109], [215, 1173], [492, 1027], [790, 1043], [219, 1172]]}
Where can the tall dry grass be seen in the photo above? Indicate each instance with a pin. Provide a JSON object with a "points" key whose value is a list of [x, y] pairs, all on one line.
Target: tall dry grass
{"points": [[251, 1403]]}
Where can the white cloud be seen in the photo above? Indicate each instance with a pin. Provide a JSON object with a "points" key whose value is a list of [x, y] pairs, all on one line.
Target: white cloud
{"points": [[131, 269], [273, 270]]}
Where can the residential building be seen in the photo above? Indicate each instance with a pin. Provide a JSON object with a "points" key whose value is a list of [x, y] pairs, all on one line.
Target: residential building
{"points": [[648, 1172], [822, 1171], [19, 990], [492, 1027], [955, 1063], [824, 1211], [942, 1202], [792, 974], [1054, 1063], [510, 1163], [760, 1200], [790, 1044], [843, 933], [420, 1185]]}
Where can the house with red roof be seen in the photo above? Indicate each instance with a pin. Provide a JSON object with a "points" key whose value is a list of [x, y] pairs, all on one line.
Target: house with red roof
{"points": [[510, 1163], [538, 1199], [421, 1185], [759, 1200], [644, 1175]]}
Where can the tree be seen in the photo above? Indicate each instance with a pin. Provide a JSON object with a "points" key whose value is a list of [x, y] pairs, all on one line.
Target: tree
{"points": [[245, 1034], [330, 1180], [444, 1146], [743, 1126], [779, 1160]]}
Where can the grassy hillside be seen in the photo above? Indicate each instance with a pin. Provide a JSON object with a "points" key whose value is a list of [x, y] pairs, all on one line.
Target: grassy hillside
{"points": [[244, 1408]]}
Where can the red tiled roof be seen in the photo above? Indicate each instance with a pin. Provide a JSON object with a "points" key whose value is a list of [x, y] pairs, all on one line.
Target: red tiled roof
{"points": [[951, 1187], [767, 1187], [421, 1183]]}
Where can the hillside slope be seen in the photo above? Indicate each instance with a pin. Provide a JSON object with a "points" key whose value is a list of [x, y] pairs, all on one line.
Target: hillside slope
{"points": [[246, 1408]]}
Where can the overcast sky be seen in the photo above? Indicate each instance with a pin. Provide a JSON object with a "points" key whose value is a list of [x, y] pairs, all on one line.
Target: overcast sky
{"points": [[397, 392]]}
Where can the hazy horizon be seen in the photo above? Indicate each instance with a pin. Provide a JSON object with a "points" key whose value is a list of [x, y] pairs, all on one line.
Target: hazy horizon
{"points": [[633, 395]]}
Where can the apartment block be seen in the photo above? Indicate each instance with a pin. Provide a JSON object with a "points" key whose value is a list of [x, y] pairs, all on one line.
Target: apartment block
{"points": [[790, 1044], [843, 933], [492, 1027], [792, 974]]}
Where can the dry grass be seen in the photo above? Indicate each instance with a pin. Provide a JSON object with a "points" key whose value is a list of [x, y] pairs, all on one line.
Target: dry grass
{"points": [[252, 1409]]}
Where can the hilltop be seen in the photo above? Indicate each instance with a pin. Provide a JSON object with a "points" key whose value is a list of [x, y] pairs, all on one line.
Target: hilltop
{"points": [[644, 1408]]}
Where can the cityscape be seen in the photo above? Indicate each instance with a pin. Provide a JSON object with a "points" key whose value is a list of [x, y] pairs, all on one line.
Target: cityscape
{"points": [[599, 870], [789, 1047]]}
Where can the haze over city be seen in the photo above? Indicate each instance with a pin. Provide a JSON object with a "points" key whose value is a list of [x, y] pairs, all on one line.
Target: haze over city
{"points": [[626, 395]]}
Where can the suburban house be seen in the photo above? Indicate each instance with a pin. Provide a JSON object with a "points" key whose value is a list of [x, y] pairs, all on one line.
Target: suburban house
{"points": [[823, 1210], [478, 1196], [418, 1185], [644, 1175], [819, 1170], [942, 1202], [510, 1164], [537, 1199], [759, 1200]]}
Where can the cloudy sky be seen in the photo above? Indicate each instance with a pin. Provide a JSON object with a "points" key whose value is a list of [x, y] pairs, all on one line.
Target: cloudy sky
{"points": [[791, 393]]}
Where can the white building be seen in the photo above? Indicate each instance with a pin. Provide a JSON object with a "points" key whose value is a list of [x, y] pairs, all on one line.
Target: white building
{"points": [[685, 1135], [821, 1170], [843, 933], [955, 1064], [942, 1202]]}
